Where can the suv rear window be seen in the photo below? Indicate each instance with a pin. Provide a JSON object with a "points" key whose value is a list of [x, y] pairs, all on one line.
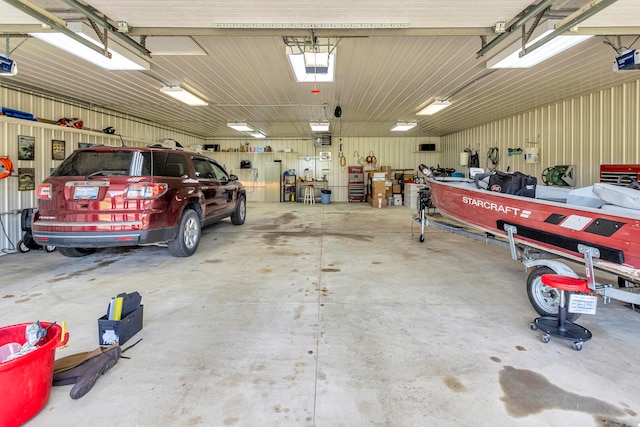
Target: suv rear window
{"points": [[125, 163]]}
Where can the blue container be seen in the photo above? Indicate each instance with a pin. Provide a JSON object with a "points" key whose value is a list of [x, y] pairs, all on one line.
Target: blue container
{"points": [[325, 197]]}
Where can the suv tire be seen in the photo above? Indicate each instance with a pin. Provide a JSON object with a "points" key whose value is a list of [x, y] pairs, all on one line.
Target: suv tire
{"points": [[240, 213], [189, 232], [75, 252]]}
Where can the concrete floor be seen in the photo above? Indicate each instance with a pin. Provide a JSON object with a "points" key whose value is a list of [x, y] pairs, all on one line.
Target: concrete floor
{"points": [[326, 315]]}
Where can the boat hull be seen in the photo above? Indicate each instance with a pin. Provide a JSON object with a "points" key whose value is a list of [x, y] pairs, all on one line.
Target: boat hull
{"points": [[550, 226]]}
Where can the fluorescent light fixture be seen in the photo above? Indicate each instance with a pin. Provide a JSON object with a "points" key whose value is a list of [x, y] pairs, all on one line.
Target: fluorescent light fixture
{"points": [[182, 95], [403, 126], [433, 108], [242, 127], [319, 126], [510, 57], [312, 67], [122, 59], [258, 135]]}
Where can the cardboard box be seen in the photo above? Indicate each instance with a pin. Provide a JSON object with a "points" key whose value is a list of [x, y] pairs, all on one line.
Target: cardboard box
{"points": [[378, 187], [396, 188], [373, 201], [119, 331]]}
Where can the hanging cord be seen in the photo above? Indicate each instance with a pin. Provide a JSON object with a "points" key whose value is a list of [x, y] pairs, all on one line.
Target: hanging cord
{"points": [[493, 158], [13, 249]]}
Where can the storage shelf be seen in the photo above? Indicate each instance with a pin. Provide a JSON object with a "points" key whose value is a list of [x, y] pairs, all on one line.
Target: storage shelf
{"points": [[249, 152]]}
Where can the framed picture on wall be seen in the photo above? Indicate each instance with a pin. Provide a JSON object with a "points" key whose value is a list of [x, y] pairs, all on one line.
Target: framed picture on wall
{"points": [[26, 179], [57, 150], [26, 147]]}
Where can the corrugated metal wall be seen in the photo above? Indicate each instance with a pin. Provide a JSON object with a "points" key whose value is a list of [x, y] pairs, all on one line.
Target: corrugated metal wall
{"points": [[594, 129]]}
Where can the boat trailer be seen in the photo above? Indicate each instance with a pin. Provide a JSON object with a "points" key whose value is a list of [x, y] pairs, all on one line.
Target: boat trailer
{"points": [[544, 299]]}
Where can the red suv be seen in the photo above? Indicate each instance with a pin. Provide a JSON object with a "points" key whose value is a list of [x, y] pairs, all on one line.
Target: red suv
{"points": [[120, 196]]}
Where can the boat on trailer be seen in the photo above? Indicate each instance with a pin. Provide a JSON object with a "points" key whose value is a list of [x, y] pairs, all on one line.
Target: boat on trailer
{"points": [[597, 225]]}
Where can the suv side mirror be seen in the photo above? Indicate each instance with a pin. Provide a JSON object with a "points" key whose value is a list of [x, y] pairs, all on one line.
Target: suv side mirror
{"points": [[233, 177]]}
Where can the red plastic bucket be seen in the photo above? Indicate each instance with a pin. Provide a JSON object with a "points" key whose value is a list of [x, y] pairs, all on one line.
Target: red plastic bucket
{"points": [[25, 382]]}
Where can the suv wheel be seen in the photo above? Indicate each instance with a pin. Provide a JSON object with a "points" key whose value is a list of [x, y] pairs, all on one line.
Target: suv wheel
{"points": [[186, 242], [76, 252], [240, 213]]}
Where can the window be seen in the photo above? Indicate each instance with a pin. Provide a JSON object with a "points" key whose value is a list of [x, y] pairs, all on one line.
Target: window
{"points": [[84, 163], [204, 169], [220, 173], [168, 164]]}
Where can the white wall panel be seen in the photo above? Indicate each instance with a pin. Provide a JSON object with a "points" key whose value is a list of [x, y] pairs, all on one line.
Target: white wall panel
{"points": [[597, 128]]}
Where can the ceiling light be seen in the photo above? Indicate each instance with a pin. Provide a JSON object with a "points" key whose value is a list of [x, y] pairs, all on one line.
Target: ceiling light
{"points": [[403, 126], [182, 95], [312, 67], [319, 126], [433, 108], [258, 135], [121, 58], [242, 127], [510, 57]]}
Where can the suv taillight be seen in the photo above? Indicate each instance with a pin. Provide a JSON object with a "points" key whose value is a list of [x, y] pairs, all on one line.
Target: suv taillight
{"points": [[145, 190], [43, 192]]}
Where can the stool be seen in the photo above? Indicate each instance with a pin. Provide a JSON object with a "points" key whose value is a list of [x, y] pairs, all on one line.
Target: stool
{"points": [[559, 326], [309, 195]]}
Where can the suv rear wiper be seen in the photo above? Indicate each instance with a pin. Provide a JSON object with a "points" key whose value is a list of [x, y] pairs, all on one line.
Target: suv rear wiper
{"points": [[105, 172]]}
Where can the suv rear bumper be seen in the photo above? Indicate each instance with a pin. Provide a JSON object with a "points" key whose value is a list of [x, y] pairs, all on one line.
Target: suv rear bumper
{"points": [[104, 239]]}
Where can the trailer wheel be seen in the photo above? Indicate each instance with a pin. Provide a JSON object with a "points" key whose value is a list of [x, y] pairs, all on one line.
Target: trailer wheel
{"points": [[545, 299]]}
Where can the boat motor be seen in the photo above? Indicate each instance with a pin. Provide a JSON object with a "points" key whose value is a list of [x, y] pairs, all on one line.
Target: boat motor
{"points": [[561, 175]]}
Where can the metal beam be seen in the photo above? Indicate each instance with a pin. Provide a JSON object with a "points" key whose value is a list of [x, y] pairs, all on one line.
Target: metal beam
{"points": [[54, 24], [338, 32], [525, 15], [573, 20], [106, 25]]}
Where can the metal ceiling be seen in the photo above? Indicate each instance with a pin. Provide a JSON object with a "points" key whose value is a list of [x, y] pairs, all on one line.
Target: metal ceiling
{"points": [[394, 57]]}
